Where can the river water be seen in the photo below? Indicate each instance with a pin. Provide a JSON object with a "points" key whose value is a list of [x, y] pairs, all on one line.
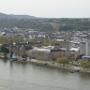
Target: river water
{"points": [[16, 76]]}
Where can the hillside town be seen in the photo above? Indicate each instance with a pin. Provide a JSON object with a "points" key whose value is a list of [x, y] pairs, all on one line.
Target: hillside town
{"points": [[30, 44]]}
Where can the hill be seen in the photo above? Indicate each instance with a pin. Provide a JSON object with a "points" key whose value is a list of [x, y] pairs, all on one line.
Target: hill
{"points": [[12, 16], [44, 24]]}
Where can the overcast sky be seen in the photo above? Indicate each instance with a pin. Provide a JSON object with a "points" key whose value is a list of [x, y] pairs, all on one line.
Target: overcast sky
{"points": [[47, 8]]}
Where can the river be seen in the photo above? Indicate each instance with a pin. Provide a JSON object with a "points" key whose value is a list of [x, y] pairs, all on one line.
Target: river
{"points": [[18, 76]]}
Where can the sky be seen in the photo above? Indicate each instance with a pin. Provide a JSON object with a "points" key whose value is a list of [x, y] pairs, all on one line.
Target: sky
{"points": [[47, 8]]}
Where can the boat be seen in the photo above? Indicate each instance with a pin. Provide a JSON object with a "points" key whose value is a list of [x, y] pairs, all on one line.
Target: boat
{"points": [[13, 58]]}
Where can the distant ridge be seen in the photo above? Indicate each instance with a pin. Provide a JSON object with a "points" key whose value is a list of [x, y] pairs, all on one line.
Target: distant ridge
{"points": [[44, 24], [12, 16]]}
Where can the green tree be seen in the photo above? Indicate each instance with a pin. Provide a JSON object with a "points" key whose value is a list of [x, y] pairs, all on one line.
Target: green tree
{"points": [[4, 50], [63, 60], [85, 64]]}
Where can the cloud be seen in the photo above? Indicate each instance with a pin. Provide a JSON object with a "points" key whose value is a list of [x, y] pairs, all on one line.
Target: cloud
{"points": [[47, 8]]}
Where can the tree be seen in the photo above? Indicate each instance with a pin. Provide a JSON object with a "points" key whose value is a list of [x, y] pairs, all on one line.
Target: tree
{"points": [[4, 50], [85, 64], [63, 60]]}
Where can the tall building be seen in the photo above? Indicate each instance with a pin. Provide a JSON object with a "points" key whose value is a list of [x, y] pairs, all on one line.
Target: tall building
{"points": [[85, 47], [88, 47]]}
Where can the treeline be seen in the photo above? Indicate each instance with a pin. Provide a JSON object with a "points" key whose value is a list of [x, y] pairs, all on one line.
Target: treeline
{"points": [[46, 24]]}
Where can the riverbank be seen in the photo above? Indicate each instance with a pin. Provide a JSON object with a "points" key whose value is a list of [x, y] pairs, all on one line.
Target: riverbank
{"points": [[69, 67], [51, 64]]}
